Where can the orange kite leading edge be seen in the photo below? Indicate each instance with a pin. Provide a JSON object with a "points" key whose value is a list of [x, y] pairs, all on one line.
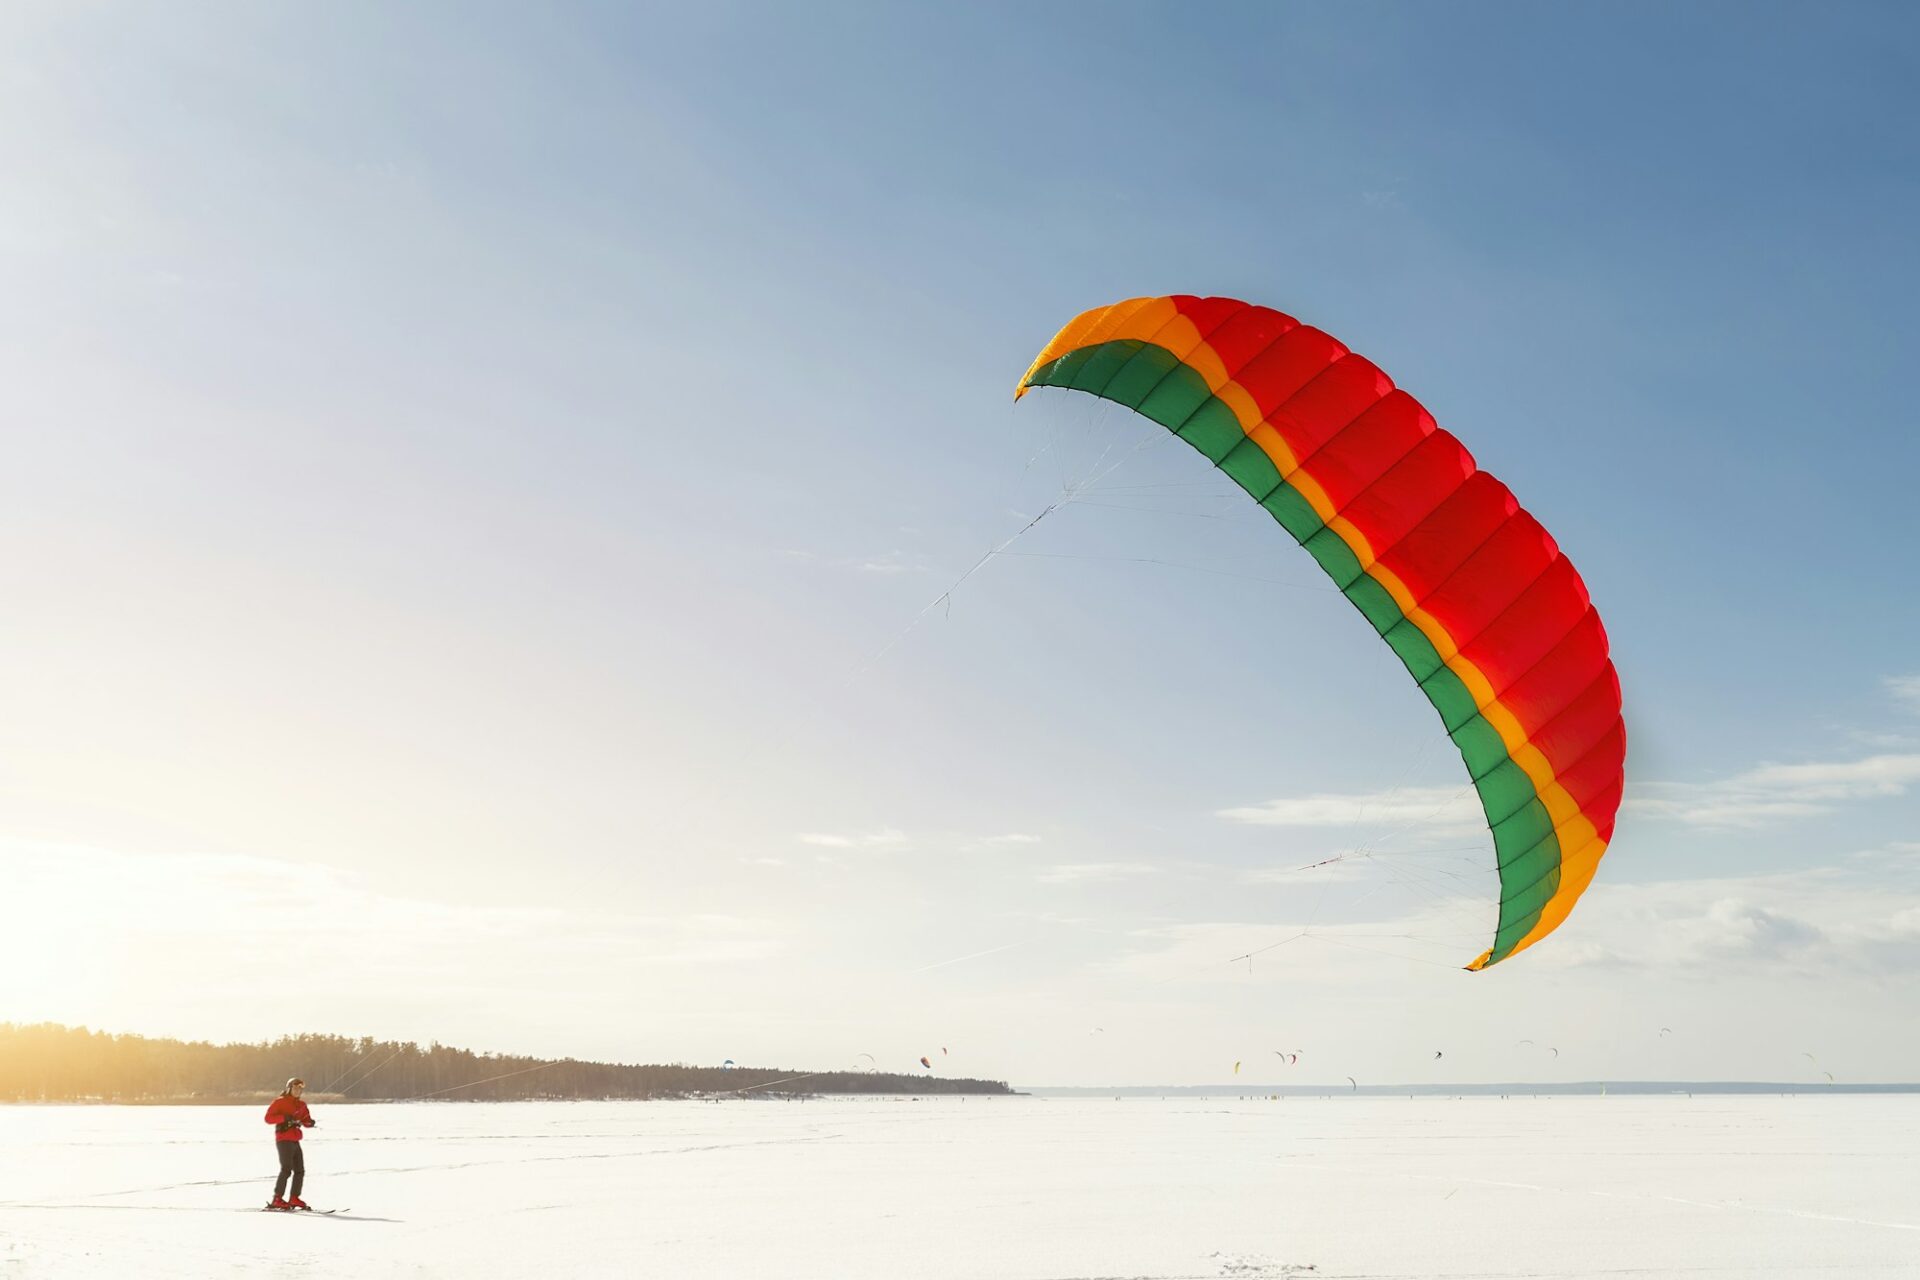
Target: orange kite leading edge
{"points": [[1473, 595]]}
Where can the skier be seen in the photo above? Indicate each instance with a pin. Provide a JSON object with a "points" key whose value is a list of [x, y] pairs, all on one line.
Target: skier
{"points": [[288, 1116]]}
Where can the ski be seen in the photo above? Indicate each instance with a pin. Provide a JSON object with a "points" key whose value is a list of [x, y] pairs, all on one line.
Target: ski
{"points": [[267, 1208]]}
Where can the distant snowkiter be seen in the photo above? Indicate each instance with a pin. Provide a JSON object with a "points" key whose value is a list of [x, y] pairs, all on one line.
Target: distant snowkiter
{"points": [[288, 1116]]}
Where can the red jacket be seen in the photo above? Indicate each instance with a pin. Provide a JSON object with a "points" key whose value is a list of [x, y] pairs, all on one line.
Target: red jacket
{"points": [[288, 1110]]}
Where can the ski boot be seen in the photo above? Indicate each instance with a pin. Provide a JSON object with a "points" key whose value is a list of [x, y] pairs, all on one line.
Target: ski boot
{"points": [[280, 1202], [295, 1202]]}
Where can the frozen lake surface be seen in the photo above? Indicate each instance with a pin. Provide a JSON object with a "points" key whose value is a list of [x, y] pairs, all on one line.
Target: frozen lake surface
{"points": [[1007, 1187]]}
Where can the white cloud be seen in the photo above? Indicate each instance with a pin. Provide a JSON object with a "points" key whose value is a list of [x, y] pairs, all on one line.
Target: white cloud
{"points": [[1047, 918], [1828, 924], [892, 562], [1853, 918], [891, 839], [996, 843], [1344, 866], [1773, 792], [1884, 739], [1905, 690], [886, 839], [1885, 775], [1732, 928], [1435, 809], [1087, 872]]}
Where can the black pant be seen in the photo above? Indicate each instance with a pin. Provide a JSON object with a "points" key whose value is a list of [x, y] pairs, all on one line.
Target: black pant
{"points": [[292, 1161]]}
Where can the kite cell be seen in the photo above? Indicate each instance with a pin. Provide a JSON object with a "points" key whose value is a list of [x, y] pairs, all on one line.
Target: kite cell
{"points": [[1469, 590]]}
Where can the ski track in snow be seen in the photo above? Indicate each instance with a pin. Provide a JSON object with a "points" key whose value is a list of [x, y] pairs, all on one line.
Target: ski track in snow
{"points": [[985, 1189]]}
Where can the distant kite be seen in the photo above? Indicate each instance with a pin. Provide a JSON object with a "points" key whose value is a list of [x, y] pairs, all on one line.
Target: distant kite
{"points": [[928, 1065]]}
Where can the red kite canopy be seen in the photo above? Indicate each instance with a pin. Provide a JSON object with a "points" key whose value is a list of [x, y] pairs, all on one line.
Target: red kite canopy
{"points": [[1467, 588]]}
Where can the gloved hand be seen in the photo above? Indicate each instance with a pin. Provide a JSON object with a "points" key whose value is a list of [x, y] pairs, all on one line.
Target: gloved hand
{"points": [[309, 1122]]}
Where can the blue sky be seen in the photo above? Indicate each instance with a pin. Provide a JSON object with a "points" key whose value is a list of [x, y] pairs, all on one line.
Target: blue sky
{"points": [[474, 479]]}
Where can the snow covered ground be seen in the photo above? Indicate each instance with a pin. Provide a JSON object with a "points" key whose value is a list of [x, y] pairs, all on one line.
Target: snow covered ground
{"points": [[1008, 1187]]}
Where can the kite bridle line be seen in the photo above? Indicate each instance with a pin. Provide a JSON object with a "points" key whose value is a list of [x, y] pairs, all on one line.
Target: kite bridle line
{"points": [[542, 1066], [360, 1072]]}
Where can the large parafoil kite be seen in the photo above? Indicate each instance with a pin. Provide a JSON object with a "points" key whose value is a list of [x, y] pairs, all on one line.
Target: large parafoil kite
{"points": [[1468, 589]]}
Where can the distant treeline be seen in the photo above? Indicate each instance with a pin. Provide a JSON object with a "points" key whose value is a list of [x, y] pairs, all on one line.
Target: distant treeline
{"points": [[51, 1063]]}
